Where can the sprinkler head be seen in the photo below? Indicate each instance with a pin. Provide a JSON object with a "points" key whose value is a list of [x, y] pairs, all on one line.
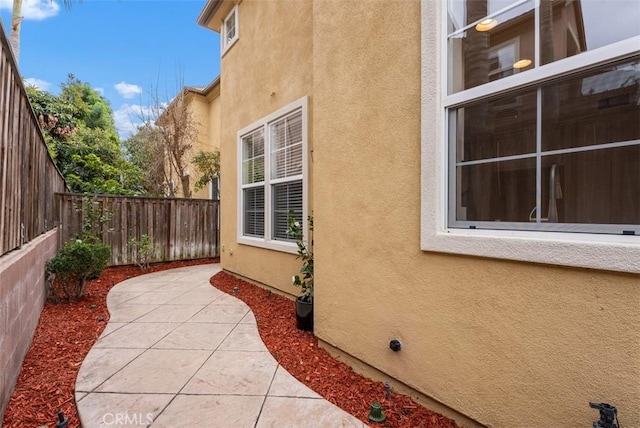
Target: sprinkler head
{"points": [[376, 414]]}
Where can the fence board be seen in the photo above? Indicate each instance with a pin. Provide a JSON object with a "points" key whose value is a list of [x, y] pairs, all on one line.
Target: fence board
{"points": [[28, 176], [179, 229]]}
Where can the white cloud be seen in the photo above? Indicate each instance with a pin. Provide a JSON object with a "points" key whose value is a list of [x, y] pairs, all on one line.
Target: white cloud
{"points": [[127, 118], [40, 84], [128, 90], [35, 10]]}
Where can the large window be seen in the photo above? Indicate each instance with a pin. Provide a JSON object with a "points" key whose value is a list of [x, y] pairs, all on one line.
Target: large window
{"points": [[272, 155], [540, 124]]}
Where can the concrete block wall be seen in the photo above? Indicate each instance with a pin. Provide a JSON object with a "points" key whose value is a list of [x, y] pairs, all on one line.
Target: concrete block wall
{"points": [[22, 297]]}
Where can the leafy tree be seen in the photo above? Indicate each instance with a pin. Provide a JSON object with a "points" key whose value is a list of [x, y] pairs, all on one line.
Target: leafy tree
{"points": [[82, 138], [145, 151], [208, 165]]}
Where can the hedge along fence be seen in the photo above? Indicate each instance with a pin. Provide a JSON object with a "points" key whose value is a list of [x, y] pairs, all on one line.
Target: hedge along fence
{"points": [[178, 229], [28, 176]]}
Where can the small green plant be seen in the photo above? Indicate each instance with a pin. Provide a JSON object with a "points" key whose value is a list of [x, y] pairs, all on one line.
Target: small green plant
{"points": [[94, 219], [73, 265], [144, 251], [208, 165], [305, 252]]}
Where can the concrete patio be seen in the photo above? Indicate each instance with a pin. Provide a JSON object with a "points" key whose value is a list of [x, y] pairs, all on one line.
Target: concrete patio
{"points": [[179, 353]]}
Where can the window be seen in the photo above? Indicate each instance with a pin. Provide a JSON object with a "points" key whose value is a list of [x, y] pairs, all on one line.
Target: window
{"points": [[272, 155], [539, 131], [229, 33]]}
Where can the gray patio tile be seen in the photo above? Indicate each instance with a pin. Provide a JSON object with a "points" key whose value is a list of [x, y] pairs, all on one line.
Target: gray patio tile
{"points": [[220, 313], [211, 411], [234, 373], [194, 297], [80, 395], [226, 299], [196, 336], [136, 335], [170, 313], [117, 298], [304, 413], [156, 371], [249, 318], [155, 297], [100, 364], [111, 327], [99, 410], [285, 385], [126, 313], [244, 337]]}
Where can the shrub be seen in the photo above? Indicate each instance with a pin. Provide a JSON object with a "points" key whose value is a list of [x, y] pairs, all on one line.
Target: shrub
{"points": [[75, 262], [144, 251]]}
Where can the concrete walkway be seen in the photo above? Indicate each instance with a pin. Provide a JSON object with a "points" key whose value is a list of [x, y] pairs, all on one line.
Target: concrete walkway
{"points": [[179, 353]]}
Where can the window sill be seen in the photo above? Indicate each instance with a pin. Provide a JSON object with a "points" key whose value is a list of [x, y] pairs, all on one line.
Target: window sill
{"points": [[605, 252], [282, 246], [228, 46]]}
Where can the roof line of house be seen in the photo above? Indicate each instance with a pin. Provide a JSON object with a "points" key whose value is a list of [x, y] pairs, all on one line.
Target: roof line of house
{"points": [[208, 11], [203, 90]]}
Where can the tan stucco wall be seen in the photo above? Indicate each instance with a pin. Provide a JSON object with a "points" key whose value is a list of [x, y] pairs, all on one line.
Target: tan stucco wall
{"points": [[268, 68], [509, 344]]}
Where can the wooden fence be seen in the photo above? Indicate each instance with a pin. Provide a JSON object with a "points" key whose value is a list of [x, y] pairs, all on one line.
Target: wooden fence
{"points": [[178, 229], [28, 177]]}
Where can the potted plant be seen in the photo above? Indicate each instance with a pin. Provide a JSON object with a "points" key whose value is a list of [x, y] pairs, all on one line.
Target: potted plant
{"points": [[304, 302]]}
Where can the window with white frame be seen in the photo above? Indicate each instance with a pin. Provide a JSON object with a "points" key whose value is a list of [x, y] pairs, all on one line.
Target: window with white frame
{"points": [[540, 162], [229, 33], [550, 141], [272, 154]]}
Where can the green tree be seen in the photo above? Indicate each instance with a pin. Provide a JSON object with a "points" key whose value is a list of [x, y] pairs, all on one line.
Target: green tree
{"points": [[82, 138], [145, 152], [208, 165]]}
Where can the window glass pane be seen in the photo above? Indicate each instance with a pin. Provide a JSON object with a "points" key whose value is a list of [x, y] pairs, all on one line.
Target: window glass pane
{"points": [[254, 211], [286, 146], [230, 27], [504, 126], [600, 107], [286, 197], [496, 47], [593, 187], [253, 157], [496, 191], [464, 12], [568, 27]]}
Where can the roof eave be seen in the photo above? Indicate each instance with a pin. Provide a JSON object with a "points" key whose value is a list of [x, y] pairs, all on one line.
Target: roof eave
{"points": [[207, 12]]}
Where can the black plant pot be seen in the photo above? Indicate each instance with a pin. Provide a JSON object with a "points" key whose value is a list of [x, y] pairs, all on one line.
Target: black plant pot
{"points": [[304, 315]]}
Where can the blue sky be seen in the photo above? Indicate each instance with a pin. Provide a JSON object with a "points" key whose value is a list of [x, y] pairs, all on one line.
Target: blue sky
{"points": [[124, 48]]}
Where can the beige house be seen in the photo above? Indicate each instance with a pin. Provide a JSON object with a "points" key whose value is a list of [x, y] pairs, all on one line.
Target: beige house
{"points": [[473, 168], [202, 106]]}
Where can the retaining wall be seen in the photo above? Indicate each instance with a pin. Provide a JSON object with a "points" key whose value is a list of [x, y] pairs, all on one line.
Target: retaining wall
{"points": [[22, 297]]}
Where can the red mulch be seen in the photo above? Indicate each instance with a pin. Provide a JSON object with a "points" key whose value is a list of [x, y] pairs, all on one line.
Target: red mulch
{"points": [[64, 335], [299, 354]]}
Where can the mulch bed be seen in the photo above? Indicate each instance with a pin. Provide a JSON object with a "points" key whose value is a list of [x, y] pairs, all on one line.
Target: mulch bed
{"points": [[299, 354], [64, 335], [67, 331]]}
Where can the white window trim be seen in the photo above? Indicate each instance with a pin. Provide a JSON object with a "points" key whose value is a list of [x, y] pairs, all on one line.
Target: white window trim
{"points": [[606, 252], [266, 242], [224, 45]]}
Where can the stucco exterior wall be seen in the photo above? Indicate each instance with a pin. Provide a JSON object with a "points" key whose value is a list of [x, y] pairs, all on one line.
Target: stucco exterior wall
{"points": [[22, 296], [506, 343], [269, 67], [208, 137]]}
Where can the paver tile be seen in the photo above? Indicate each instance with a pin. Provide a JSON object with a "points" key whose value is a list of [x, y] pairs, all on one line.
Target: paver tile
{"points": [[244, 337], [220, 313], [98, 410], [136, 335], [196, 336], [304, 413], [100, 364], [171, 313], [285, 385]]}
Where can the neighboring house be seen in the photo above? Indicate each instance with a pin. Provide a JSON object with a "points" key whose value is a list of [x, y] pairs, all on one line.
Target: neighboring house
{"points": [[203, 114], [473, 168]]}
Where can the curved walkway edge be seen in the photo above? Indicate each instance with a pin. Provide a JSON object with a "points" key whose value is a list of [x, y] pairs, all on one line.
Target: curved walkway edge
{"points": [[178, 352]]}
